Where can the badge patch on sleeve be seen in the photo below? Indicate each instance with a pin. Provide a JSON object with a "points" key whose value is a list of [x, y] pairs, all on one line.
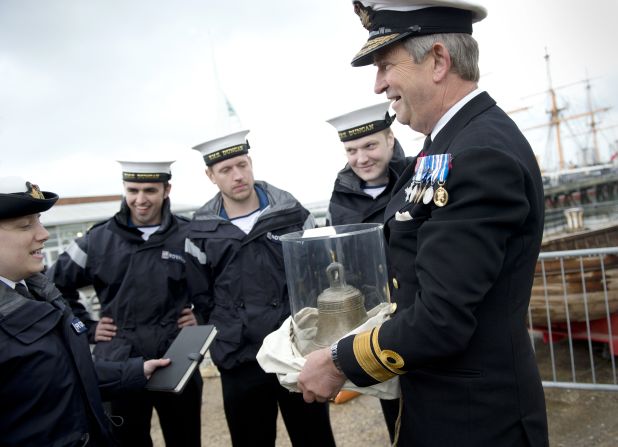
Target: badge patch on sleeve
{"points": [[78, 326], [169, 256]]}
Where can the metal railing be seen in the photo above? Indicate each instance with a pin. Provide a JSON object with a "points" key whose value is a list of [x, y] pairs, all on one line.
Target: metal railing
{"points": [[573, 318]]}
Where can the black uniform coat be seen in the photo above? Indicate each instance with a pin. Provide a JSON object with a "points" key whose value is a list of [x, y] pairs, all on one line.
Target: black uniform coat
{"points": [[469, 373], [349, 204], [49, 390], [140, 284], [242, 275]]}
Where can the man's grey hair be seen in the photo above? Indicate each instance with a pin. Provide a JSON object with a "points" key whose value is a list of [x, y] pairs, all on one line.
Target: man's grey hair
{"points": [[463, 48]]}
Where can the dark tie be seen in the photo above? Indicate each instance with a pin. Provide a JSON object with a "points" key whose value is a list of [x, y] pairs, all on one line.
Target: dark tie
{"points": [[426, 144], [23, 290]]}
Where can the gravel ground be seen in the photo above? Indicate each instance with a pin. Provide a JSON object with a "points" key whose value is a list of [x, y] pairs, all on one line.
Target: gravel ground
{"points": [[356, 423], [582, 418], [576, 419]]}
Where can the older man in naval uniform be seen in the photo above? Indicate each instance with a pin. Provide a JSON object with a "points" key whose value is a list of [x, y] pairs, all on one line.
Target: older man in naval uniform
{"points": [[464, 229]]}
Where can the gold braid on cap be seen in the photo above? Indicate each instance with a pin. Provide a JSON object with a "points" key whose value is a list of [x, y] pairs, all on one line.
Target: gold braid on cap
{"points": [[34, 191], [364, 13]]}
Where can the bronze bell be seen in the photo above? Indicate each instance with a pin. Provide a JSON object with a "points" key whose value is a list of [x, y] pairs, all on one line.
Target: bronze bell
{"points": [[341, 308]]}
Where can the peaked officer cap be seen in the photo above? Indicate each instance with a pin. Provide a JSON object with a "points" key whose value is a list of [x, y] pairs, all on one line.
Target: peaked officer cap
{"points": [[19, 197], [390, 21]]}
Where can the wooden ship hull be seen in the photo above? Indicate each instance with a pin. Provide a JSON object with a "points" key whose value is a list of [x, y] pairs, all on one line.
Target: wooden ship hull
{"points": [[576, 289]]}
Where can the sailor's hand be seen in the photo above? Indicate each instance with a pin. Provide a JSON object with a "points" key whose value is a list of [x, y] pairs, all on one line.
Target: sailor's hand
{"points": [[187, 318], [106, 330], [320, 380], [151, 366]]}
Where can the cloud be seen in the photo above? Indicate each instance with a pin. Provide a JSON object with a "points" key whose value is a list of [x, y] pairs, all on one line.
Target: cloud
{"points": [[86, 83]]}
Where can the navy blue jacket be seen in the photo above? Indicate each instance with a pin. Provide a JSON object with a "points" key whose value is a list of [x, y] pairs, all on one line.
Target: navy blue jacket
{"points": [[242, 276], [50, 390], [464, 273], [140, 284]]}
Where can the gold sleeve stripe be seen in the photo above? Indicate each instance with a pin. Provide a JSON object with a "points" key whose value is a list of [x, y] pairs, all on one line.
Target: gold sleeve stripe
{"points": [[390, 359], [367, 360]]}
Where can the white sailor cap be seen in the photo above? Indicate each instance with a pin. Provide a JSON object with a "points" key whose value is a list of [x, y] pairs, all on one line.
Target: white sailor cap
{"points": [[21, 198], [390, 21], [362, 122], [146, 171], [224, 147]]}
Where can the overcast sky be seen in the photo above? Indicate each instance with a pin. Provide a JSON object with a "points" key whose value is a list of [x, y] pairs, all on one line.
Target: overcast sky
{"points": [[86, 82]]}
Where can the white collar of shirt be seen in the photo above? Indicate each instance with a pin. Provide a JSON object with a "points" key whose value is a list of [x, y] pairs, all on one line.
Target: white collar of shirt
{"points": [[148, 231], [374, 191], [10, 283], [453, 110], [245, 223]]}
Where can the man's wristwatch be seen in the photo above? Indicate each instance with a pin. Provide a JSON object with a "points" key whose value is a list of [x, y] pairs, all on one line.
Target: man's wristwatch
{"points": [[335, 357]]}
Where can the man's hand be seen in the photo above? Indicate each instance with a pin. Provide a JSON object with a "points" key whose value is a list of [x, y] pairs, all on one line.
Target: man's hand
{"points": [[187, 318], [320, 380], [106, 330], [151, 365]]}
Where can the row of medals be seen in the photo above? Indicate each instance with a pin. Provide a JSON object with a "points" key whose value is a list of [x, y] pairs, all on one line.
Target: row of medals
{"points": [[425, 191]]}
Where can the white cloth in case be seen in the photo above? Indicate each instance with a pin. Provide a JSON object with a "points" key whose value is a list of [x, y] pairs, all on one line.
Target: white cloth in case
{"points": [[280, 353]]}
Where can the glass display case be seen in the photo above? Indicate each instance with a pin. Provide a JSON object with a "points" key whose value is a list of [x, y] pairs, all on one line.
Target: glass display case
{"points": [[337, 278]]}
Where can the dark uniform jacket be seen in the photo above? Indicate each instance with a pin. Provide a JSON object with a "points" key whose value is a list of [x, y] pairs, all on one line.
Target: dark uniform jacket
{"points": [[140, 284], [49, 389], [349, 204], [242, 275], [469, 372]]}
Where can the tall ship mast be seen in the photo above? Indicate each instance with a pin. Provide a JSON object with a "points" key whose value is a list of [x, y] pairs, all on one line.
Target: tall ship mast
{"points": [[557, 120], [584, 182]]}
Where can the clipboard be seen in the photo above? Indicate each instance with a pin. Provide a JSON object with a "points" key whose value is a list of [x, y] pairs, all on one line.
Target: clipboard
{"points": [[186, 352]]}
